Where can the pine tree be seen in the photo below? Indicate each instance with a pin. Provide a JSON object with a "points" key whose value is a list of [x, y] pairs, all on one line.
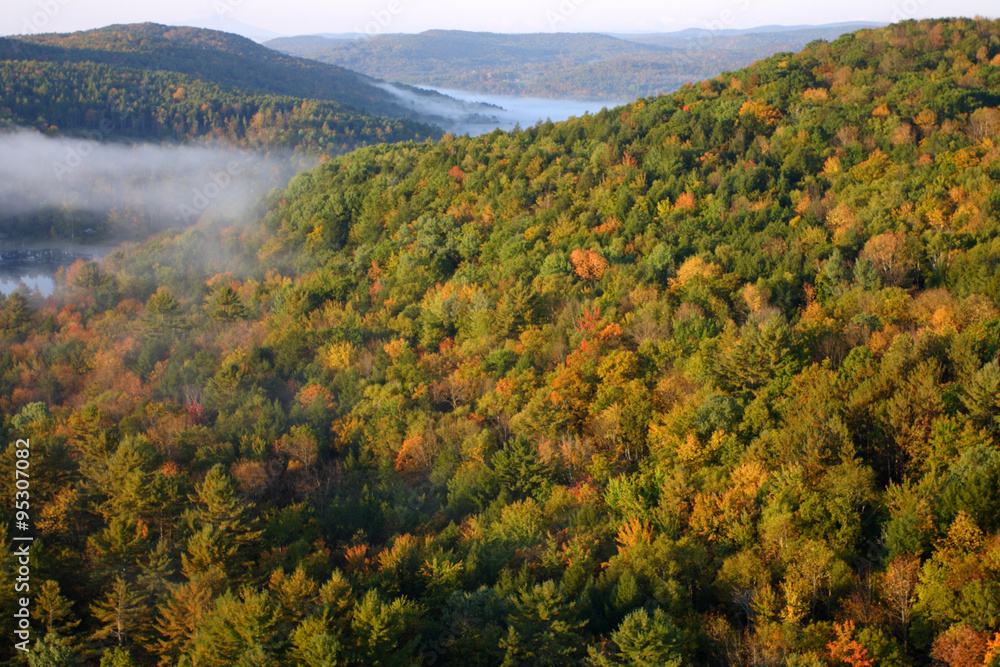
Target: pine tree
{"points": [[54, 610], [15, 316], [315, 643], [223, 528], [643, 641], [180, 617], [117, 657], [336, 595], [239, 630], [520, 472], [384, 633], [155, 570], [166, 500], [217, 503], [982, 397], [53, 651], [120, 613], [117, 547], [126, 478], [93, 280], [162, 309], [226, 305], [296, 593], [210, 550], [543, 628]]}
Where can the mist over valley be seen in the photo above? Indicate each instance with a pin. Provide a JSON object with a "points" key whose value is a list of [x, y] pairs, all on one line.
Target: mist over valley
{"points": [[67, 197]]}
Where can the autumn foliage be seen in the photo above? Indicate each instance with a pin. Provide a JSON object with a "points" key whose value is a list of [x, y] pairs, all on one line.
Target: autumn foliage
{"points": [[654, 386]]}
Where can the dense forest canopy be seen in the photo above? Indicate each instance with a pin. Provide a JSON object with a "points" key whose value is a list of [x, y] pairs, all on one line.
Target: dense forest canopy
{"points": [[708, 379]]}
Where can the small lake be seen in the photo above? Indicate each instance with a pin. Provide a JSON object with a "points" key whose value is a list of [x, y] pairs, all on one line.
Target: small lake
{"points": [[525, 111], [33, 267]]}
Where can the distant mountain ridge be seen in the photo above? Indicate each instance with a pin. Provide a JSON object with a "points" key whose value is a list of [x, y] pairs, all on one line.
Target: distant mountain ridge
{"points": [[847, 26], [561, 65]]}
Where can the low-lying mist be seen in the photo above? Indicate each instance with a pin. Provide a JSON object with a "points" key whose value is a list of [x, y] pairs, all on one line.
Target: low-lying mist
{"points": [[450, 113], [74, 187], [465, 112]]}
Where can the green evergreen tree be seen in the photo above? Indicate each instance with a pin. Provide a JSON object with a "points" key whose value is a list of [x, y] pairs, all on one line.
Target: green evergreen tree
{"points": [[385, 633], [543, 628], [240, 629], [643, 641], [53, 650], [117, 657], [15, 317], [315, 643], [163, 310], [520, 472], [226, 305], [223, 528]]}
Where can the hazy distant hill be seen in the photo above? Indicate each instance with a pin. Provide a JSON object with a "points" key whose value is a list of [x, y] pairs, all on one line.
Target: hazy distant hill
{"points": [[306, 45], [228, 24], [748, 39], [585, 66], [835, 28]]}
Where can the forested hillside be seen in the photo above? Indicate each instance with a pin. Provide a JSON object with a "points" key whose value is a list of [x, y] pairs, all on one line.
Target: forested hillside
{"points": [[708, 379], [151, 82], [215, 57], [587, 66]]}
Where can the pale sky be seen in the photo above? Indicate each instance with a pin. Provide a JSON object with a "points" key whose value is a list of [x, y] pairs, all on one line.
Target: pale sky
{"points": [[295, 17]]}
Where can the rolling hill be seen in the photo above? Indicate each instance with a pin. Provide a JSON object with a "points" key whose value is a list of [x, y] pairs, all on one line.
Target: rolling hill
{"points": [[218, 58], [580, 66]]}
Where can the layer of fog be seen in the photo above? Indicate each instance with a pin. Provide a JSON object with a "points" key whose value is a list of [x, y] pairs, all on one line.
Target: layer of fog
{"points": [[168, 185], [447, 112], [479, 113], [55, 191]]}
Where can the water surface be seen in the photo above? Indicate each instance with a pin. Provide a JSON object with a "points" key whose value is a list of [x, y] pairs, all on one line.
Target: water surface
{"points": [[505, 111], [32, 268]]}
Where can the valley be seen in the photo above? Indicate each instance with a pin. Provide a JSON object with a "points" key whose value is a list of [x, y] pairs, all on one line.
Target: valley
{"points": [[704, 372]]}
